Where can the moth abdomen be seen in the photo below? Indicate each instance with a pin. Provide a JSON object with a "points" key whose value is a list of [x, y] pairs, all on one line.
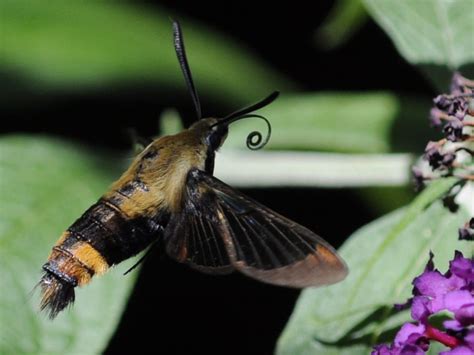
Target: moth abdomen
{"points": [[57, 294], [105, 228], [102, 237], [64, 270]]}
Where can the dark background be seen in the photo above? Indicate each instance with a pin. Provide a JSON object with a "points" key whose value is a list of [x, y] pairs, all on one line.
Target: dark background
{"points": [[283, 35], [174, 309]]}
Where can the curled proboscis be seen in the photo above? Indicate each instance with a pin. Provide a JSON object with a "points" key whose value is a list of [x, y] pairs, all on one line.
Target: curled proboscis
{"points": [[255, 139]]}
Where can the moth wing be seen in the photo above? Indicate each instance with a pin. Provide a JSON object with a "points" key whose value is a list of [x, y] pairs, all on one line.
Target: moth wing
{"points": [[194, 236], [258, 241]]}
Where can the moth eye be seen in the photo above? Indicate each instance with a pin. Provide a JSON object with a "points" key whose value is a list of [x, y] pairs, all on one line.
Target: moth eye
{"points": [[214, 140], [216, 137]]}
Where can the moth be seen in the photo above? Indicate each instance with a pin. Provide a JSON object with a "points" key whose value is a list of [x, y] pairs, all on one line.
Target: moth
{"points": [[169, 196]]}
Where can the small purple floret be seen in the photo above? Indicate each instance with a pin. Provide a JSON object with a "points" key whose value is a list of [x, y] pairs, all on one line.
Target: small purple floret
{"points": [[453, 130]]}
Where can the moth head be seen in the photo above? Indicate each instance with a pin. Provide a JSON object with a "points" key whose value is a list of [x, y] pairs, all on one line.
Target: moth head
{"points": [[209, 132], [214, 130]]}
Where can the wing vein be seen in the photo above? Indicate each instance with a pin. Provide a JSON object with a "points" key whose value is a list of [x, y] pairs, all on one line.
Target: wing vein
{"points": [[257, 258], [201, 246], [271, 238], [297, 248], [206, 242], [215, 240], [271, 255]]}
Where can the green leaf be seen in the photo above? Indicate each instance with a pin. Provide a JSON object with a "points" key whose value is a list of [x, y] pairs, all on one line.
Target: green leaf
{"points": [[383, 258], [45, 185], [81, 44], [436, 34], [344, 19], [430, 31], [342, 122]]}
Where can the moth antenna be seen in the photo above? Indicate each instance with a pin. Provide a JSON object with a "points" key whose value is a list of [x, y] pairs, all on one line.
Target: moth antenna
{"points": [[183, 62]]}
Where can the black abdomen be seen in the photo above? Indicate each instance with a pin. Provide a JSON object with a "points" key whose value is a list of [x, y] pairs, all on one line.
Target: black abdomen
{"points": [[103, 236], [112, 234]]}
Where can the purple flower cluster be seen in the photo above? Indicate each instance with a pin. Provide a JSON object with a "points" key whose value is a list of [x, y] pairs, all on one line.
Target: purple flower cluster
{"points": [[450, 110], [454, 114], [452, 155], [434, 292]]}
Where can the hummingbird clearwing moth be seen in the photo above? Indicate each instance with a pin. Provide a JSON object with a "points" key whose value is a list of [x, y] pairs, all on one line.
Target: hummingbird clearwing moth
{"points": [[169, 195]]}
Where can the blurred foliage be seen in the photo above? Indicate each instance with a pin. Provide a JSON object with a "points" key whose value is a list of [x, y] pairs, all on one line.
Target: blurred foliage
{"points": [[384, 199], [338, 122], [70, 45], [383, 258], [342, 22], [437, 35], [45, 185]]}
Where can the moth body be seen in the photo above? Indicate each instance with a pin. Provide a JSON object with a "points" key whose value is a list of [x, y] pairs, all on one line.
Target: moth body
{"points": [[127, 218]]}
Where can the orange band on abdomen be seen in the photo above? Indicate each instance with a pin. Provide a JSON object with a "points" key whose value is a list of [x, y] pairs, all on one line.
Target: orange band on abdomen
{"points": [[90, 257]]}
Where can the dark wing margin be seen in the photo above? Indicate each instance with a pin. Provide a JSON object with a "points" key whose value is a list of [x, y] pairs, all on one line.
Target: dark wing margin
{"points": [[256, 240]]}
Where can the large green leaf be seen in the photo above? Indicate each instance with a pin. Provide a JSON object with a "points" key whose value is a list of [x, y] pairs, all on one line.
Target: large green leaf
{"points": [[78, 44], [436, 34], [343, 122], [45, 185], [383, 258]]}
